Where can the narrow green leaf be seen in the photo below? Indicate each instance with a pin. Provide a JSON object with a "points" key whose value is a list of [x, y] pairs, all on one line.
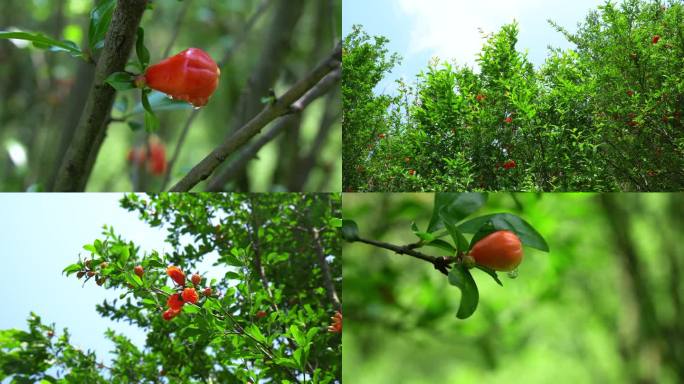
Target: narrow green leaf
{"points": [[140, 49], [490, 272], [100, 18], [460, 276], [459, 240], [41, 41], [120, 81], [72, 268]]}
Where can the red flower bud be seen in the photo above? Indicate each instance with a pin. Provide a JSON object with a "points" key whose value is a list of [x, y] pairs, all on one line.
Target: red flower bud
{"points": [[260, 314], [412, 172], [510, 164], [191, 76], [336, 326], [176, 274], [480, 97], [508, 120], [630, 93], [139, 271], [190, 295], [196, 279], [175, 302], [500, 250], [656, 39]]}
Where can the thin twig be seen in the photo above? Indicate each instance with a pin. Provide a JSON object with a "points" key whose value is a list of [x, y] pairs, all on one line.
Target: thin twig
{"points": [[251, 150], [441, 263]]}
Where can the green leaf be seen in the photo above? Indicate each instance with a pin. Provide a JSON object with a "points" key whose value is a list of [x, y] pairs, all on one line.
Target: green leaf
{"points": [[459, 240], [90, 248], [506, 221], [151, 120], [72, 268], [100, 18], [297, 335], [455, 206], [460, 276], [121, 81], [335, 222], [133, 279], [441, 244], [490, 272], [41, 41], [255, 332], [160, 102], [140, 49], [350, 231]]}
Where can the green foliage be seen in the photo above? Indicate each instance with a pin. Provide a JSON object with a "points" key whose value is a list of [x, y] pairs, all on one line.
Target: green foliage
{"points": [[280, 254], [448, 210], [604, 301], [604, 116]]}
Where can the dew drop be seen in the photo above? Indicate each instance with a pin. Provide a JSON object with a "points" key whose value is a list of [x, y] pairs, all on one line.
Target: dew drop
{"points": [[196, 108], [512, 274], [170, 97]]}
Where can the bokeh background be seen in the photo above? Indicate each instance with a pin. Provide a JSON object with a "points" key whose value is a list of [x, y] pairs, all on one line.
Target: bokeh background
{"points": [[42, 93], [604, 306]]}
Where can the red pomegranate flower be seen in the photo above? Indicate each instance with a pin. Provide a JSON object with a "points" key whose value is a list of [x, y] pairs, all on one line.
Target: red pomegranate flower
{"points": [[630, 93], [412, 172], [190, 295], [261, 314], [190, 76], [170, 314], [510, 164], [480, 97], [175, 302], [508, 120], [336, 325], [176, 275], [656, 39]]}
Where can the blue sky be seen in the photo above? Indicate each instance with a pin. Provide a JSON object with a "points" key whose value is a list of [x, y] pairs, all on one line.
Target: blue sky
{"points": [[40, 234], [421, 29]]}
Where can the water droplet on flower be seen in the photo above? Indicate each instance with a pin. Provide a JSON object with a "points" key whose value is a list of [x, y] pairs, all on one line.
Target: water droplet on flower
{"points": [[196, 108], [170, 97], [512, 274]]}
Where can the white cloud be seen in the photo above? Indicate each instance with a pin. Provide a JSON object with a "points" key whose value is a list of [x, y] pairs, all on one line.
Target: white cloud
{"points": [[449, 28]]}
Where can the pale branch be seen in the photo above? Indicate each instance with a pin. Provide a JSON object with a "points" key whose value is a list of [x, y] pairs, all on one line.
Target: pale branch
{"points": [[80, 157], [250, 151], [281, 106]]}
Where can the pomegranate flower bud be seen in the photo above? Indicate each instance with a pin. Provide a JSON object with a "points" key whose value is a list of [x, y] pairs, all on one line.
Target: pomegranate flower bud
{"points": [[191, 76]]}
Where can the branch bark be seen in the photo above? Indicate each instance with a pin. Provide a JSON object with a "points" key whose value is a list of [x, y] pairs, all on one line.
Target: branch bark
{"points": [[327, 276], [282, 106], [92, 127]]}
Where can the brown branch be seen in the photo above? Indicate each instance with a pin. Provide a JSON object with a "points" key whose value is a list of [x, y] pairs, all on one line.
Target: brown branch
{"points": [[327, 276], [90, 132], [440, 263], [250, 151], [280, 107]]}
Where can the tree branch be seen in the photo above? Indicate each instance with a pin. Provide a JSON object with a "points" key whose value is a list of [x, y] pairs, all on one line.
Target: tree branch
{"points": [[250, 151], [441, 263], [280, 107], [90, 132]]}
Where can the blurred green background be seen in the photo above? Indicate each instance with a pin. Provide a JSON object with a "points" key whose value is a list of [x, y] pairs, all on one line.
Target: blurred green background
{"points": [[42, 93], [604, 306]]}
